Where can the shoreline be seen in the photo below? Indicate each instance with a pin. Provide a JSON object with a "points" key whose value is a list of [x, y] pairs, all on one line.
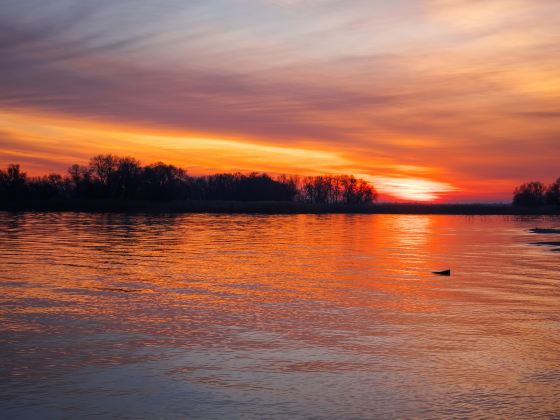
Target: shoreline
{"points": [[267, 207]]}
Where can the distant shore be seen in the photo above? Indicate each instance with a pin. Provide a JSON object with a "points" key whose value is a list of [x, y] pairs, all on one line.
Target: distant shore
{"points": [[267, 207]]}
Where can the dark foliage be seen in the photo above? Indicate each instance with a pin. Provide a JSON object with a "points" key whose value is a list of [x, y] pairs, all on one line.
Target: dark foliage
{"points": [[252, 187], [536, 194], [110, 177], [13, 183], [163, 182], [530, 194], [553, 193], [336, 189], [46, 187]]}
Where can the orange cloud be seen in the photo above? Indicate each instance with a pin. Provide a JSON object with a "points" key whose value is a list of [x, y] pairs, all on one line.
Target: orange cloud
{"points": [[46, 141], [60, 139]]}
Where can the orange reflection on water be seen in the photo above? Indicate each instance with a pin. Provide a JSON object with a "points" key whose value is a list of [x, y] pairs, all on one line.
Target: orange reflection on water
{"points": [[252, 302]]}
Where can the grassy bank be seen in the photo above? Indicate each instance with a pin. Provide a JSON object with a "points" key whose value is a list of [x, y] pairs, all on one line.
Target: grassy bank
{"points": [[267, 207]]}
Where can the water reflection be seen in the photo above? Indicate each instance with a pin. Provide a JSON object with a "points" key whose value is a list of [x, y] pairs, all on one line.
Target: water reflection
{"points": [[232, 316]]}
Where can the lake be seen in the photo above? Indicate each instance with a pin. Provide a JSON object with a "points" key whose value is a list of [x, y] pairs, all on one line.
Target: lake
{"points": [[297, 316]]}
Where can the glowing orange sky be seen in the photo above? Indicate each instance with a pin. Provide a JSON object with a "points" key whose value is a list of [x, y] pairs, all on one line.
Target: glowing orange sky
{"points": [[429, 100]]}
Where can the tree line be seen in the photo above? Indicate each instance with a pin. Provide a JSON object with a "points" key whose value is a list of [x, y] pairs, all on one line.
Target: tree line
{"points": [[112, 177], [536, 194]]}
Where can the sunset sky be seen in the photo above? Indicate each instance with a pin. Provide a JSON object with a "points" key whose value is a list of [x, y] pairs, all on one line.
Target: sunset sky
{"points": [[450, 100]]}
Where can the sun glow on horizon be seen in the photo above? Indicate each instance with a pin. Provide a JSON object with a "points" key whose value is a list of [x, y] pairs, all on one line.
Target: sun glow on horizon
{"points": [[61, 139], [410, 189]]}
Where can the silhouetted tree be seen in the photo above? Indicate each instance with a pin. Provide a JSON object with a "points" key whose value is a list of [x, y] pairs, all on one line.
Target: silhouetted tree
{"points": [[114, 177], [103, 168], [357, 191], [110, 176], [317, 190], [126, 180], [553, 193], [336, 190], [80, 180], [290, 186], [531, 194], [13, 182], [47, 187], [261, 187], [221, 186], [161, 181]]}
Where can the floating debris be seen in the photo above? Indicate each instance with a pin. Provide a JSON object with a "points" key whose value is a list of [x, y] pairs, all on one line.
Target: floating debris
{"points": [[442, 272], [116, 289], [545, 230], [546, 243]]}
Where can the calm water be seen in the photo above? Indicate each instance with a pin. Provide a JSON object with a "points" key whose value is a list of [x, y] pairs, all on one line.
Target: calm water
{"points": [[219, 316]]}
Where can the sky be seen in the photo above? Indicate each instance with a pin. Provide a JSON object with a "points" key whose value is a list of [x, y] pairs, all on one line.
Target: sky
{"points": [[434, 100]]}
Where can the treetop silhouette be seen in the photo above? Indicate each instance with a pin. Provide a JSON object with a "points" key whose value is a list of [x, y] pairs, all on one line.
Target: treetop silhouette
{"points": [[112, 177]]}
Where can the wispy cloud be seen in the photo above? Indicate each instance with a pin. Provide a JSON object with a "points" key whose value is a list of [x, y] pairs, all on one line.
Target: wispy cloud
{"points": [[468, 90]]}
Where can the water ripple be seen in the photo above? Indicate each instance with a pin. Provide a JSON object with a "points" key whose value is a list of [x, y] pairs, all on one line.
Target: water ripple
{"points": [[213, 316]]}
